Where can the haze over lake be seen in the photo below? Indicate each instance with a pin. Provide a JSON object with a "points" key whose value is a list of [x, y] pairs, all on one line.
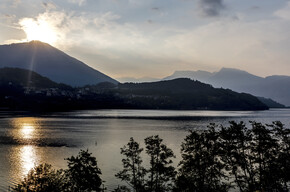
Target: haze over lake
{"points": [[26, 140]]}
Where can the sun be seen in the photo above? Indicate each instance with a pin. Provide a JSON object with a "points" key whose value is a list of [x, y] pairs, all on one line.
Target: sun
{"points": [[40, 30]]}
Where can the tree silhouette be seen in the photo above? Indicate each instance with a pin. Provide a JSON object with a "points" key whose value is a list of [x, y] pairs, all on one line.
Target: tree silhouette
{"points": [[133, 172], [42, 178], [201, 168], [83, 173], [236, 154], [256, 158], [213, 160], [161, 173], [283, 158]]}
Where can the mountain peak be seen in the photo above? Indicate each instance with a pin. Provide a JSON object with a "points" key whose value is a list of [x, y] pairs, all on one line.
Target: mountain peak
{"points": [[33, 42], [225, 69], [50, 62], [39, 43]]}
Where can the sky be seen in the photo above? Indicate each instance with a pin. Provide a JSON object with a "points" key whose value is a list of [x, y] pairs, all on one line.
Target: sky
{"points": [[154, 38]]}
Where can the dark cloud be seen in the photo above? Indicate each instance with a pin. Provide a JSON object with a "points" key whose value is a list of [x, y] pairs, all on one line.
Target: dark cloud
{"points": [[211, 8], [8, 17], [48, 5], [149, 21], [255, 7], [155, 8]]}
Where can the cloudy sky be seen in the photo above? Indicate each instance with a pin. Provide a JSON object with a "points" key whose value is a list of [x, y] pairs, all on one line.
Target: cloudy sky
{"points": [[153, 38]]}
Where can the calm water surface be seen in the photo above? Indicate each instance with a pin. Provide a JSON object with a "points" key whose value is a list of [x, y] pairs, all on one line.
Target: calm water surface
{"points": [[28, 140]]}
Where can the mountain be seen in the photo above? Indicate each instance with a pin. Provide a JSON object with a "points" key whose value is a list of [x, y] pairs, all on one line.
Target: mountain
{"points": [[202, 76], [51, 63], [23, 89], [186, 94], [274, 87]]}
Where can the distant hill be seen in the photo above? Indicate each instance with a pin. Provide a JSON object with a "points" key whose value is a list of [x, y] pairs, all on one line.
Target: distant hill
{"points": [[26, 78], [199, 75], [270, 103], [187, 94], [24, 89], [51, 63], [274, 87]]}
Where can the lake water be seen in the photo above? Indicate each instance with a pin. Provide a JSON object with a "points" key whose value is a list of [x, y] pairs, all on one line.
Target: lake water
{"points": [[28, 140]]}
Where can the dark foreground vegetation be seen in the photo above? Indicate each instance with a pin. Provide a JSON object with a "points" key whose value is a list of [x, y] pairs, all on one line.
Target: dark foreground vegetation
{"points": [[219, 159], [26, 90]]}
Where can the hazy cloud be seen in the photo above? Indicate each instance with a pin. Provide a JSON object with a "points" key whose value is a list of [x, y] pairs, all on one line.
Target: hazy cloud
{"points": [[49, 5], [246, 45], [9, 17], [284, 13], [16, 3], [79, 2], [155, 8], [210, 8], [137, 38], [8, 20], [255, 7], [100, 32], [149, 21], [105, 19]]}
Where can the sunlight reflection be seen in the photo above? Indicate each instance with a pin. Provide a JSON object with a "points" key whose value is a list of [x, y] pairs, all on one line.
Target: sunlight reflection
{"points": [[28, 158], [27, 131], [26, 128]]}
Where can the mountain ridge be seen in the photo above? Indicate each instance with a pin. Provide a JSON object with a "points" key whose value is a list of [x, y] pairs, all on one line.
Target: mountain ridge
{"points": [[275, 87], [42, 94], [50, 62], [189, 94]]}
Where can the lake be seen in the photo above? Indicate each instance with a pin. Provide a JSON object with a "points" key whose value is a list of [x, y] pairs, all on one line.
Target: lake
{"points": [[27, 140]]}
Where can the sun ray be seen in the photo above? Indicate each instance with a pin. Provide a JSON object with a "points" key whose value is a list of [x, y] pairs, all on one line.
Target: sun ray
{"points": [[39, 29]]}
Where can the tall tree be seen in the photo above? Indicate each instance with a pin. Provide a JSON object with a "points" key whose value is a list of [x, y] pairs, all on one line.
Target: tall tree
{"points": [[236, 154], [265, 156], [256, 158], [133, 172], [161, 172], [201, 168], [84, 173], [282, 135]]}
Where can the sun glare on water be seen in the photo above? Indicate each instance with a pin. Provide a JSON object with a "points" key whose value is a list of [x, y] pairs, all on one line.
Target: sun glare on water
{"points": [[27, 131], [40, 30]]}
